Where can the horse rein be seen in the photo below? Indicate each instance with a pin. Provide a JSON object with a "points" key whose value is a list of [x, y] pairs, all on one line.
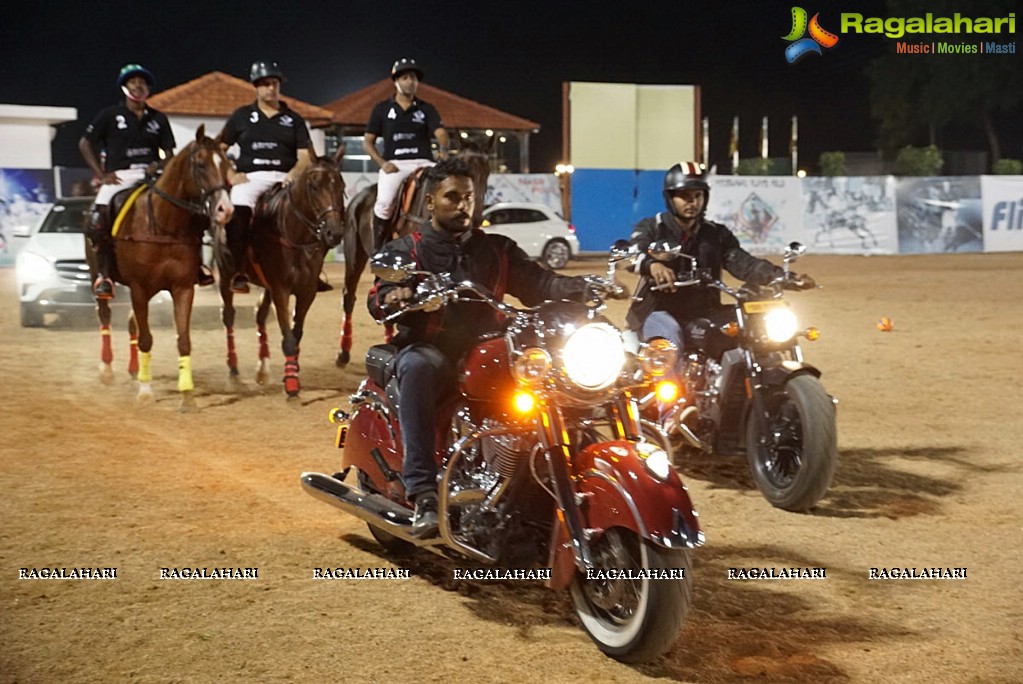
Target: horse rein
{"points": [[315, 225], [200, 208]]}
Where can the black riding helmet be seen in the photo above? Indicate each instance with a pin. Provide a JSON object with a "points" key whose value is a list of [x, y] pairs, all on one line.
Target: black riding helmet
{"points": [[406, 64], [260, 70], [684, 176], [129, 70]]}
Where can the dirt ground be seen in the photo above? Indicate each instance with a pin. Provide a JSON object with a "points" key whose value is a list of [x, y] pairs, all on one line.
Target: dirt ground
{"points": [[929, 433]]}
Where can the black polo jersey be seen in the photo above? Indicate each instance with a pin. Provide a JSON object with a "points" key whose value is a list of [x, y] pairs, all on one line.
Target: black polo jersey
{"points": [[406, 132], [128, 141], [266, 143]]}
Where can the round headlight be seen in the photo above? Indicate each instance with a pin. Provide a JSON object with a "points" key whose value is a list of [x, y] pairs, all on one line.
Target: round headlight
{"points": [[780, 324], [531, 365], [658, 356], [593, 356]]}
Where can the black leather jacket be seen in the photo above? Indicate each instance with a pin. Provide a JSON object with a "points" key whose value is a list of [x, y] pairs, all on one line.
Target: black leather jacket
{"points": [[714, 246]]}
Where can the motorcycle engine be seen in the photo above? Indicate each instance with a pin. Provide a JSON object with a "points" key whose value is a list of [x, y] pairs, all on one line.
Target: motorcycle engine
{"points": [[505, 453]]}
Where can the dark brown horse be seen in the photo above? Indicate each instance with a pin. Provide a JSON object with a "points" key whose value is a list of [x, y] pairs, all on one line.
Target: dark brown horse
{"points": [[292, 228], [361, 243], [158, 243]]}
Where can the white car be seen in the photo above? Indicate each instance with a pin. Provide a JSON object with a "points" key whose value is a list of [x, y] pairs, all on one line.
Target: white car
{"points": [[52, 274], [537, 229]]}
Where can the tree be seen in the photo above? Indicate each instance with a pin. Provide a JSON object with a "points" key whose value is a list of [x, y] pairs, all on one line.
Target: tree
{"points": [[913, 93]]}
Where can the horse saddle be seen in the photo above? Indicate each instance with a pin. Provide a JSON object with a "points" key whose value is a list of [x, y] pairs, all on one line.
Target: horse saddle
{"points": [[409, 203], [122, 203]]}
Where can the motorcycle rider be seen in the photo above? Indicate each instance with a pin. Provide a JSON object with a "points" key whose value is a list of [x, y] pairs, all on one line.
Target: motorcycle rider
{"points": [[432, 342], [669, 313], [135, 141]]}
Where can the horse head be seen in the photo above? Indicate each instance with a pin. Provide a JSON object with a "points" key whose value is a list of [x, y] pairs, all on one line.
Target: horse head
{"points": [[476, 154], [318, 198], [208, 178]]}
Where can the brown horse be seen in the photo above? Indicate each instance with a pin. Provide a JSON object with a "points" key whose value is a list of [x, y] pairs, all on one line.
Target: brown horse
{"points": [[158, 243], [292, 228], [361, 243]]}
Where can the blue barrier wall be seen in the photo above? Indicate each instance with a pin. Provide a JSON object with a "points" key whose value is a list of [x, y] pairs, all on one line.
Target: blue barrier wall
{"points": [[607, 203]]}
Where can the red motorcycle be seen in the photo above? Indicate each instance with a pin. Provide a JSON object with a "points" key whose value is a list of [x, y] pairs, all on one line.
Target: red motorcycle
{"points": [[543, 465]]}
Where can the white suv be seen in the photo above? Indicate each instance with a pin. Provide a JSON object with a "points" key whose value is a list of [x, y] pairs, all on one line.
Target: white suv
{"points": [[537, 229]]}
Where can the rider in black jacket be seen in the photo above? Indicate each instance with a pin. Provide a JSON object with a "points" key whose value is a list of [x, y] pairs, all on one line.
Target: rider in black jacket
{"points": [[432, 343]]}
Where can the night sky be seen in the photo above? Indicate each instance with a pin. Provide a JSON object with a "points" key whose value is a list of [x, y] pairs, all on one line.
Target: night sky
{"points": [[510, 55]]}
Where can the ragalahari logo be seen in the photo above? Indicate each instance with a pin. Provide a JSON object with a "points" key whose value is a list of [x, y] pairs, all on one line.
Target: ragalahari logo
{"points": [[802, 46]]}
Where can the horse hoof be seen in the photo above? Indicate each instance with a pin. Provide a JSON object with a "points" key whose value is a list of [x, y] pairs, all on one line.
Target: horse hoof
{"points": [[292, 396], [234, 372], [106, 373], [187, 402], [145, 395], [342, 359]]}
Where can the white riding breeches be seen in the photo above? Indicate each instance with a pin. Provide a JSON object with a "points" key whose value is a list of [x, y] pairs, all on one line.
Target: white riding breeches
{"points": [[247, 194], [129, 177], [389, 183]]}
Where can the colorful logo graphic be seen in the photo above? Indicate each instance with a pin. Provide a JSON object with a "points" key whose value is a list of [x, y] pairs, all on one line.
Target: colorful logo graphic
{"points": [[801, 46]]}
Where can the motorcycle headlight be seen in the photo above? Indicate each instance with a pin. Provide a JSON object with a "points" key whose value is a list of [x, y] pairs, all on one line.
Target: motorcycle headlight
{"points": [[657, 357], [593, 356], [780, 325], [531, 365], [32, 268], [655, 459]]}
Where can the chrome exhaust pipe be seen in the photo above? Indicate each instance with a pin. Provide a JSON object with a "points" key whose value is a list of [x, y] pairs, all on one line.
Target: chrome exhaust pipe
{"points": [[371, 508]]}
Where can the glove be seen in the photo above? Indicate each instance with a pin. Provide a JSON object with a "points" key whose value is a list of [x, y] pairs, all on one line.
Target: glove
{"points": [[802, 282], [396, 298]]}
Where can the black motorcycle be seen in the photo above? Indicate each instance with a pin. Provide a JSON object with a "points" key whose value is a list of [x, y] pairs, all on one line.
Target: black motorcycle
{"points": [[747, 389]]}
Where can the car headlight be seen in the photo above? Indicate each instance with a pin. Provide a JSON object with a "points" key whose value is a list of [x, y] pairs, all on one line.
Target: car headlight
{"points": [[32, 268], [780, 324], [593, 356]]}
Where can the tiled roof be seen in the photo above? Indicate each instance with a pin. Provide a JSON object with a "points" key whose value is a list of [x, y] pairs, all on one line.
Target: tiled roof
{"points": [[457, 112], [219, 94]]}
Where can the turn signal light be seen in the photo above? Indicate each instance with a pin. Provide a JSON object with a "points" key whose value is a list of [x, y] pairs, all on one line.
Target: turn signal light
{"points": [[812, 334], [667, 391], [731, 329], [524, 402]]}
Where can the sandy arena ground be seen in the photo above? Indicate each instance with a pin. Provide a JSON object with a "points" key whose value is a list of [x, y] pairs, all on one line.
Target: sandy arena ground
{"points": [[929, 432]]}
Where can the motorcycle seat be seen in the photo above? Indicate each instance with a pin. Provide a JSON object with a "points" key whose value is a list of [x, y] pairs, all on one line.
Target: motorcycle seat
{"points": [[380, 363]]}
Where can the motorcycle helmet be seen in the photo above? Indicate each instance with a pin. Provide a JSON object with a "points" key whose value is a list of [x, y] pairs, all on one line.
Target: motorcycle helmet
{"points": [[406, 64], [260, 70], [683, 176], [129, 70]]}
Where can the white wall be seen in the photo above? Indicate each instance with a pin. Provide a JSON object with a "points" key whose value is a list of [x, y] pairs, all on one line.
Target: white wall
{"points": [[26, 133]]}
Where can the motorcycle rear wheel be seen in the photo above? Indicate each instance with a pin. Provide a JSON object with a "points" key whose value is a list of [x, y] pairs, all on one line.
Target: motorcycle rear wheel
{"points": [[795, 464], [633, 620]]}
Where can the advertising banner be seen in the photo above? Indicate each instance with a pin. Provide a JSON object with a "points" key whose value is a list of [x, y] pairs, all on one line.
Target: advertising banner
{"points": [[850, 215], [939, 215], [764, 212], [1003, 213]]}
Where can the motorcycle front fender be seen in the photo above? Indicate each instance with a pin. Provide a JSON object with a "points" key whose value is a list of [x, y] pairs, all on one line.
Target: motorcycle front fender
{"points": [[779, 374], [618, 490]]}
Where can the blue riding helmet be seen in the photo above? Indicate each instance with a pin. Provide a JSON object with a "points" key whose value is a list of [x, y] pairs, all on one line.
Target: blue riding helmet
{"points": [[129, 70]]}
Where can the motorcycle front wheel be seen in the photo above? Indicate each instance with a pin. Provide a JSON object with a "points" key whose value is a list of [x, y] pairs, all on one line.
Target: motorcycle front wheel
{"points": [[794, 463], [633, 620]]}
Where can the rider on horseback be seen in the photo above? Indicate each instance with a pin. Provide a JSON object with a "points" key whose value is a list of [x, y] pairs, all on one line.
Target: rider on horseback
{"points": [[406, 124], [135, 141], [274, 145]]}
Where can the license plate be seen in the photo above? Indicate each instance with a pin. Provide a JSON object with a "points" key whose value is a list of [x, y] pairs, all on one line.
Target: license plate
{"points": [[342, 433], [763, 307]]}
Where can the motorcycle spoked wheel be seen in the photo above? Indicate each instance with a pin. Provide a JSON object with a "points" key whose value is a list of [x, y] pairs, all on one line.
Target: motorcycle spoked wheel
{"points": [[795, 466], [633, 621], [387, 540]]}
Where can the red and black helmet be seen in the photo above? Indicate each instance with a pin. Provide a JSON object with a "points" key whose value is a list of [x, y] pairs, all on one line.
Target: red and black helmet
{"points": [[685, 176], [406, 64]]}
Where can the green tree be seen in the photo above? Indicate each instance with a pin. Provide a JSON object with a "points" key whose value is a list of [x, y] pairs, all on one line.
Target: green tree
{"points": [[911, 94], [832, 163]]}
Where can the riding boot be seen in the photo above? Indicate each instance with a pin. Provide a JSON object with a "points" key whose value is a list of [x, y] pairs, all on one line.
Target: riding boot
{"points": [[238, 245], [205, 276], [103, 248], [322, 285], [381, 231]]}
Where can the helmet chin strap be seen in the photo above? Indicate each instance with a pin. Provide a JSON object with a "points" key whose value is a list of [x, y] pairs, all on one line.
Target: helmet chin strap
{"points": [[127, 94]]}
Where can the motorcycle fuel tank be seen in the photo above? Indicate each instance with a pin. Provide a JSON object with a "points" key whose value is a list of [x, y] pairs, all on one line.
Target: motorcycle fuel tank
{"points": [[486, 374]]}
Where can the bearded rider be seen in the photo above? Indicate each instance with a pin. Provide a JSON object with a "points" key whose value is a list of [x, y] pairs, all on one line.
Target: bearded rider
{"points": [[432, 343], [134, 140], [669, 313]]}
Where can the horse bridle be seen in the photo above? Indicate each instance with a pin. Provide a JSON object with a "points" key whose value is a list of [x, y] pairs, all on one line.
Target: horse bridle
{"points": [[203, 207], [315, 225]]}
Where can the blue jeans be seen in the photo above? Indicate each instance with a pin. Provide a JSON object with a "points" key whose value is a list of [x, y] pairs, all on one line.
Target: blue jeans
{"points": [[426, 377]]}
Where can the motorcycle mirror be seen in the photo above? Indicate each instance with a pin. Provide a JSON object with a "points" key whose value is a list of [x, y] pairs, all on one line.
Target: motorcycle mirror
{"points": [[620, 251], [391, 267], [663, 251]]}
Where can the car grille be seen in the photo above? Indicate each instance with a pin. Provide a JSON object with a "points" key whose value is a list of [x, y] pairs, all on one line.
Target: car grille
{"points": [[73, 270]]}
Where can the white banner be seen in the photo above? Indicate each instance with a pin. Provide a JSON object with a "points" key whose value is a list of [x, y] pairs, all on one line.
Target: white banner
{"points": [[1002, 213], [850, 215], [764, 212]]}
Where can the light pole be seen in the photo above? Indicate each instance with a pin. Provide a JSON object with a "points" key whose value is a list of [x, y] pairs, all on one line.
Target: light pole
{"points": [[564, 173]]}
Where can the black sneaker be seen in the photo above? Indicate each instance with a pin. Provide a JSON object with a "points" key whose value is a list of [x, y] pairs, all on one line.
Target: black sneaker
{"points": [[205, 277], [323, 286], [425, 521]]}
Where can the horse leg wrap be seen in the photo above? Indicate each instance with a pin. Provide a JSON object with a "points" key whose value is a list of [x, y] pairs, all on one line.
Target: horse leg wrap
{"points": [[291, 385], [133, 355], [346, 335], [106, 351], [145, 368], [264, 348], [232, 355], [185, 374]]}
